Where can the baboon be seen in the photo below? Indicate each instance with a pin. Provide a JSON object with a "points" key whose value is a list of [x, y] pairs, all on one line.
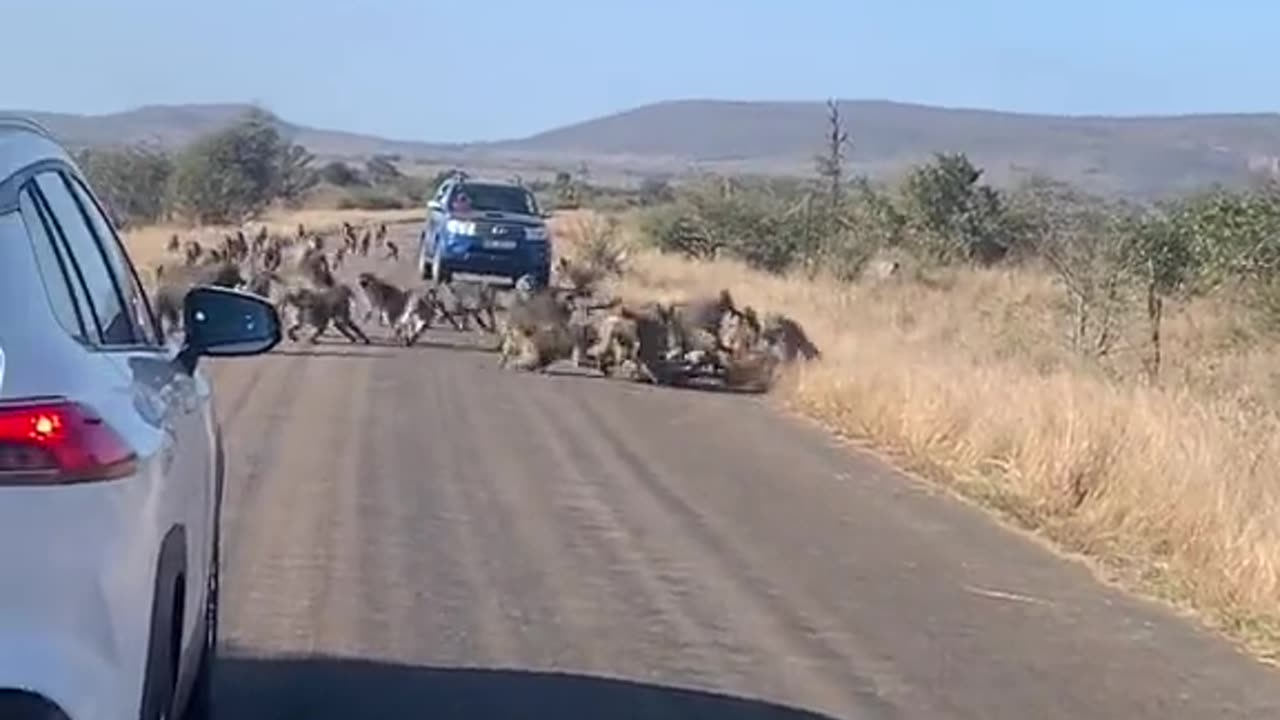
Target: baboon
{"points": [[696, 323], [739, 332], [787, 338], [530, 309], [364, 244], [238, 248], [651, 323], [194, 252], [462, 301], [348, 234], [271, 258], [302, 232], [382, 232], [175, 245], [420, 310], [593, 334], [172, 292], [320, 308], [261, 241], [612, 342], [261, 282], [339, 257], [393, 251], [314, 266], [384, 298]]}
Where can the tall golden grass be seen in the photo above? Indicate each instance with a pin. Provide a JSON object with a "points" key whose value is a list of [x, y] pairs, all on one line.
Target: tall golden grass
{"points": [[967, 377]]}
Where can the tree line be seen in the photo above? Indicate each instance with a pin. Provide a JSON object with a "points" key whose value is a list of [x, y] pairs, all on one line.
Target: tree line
{"points": [[234, 174]]}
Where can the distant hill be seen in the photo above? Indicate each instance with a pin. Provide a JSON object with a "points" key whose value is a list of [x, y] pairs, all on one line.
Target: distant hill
{"points": [[176, 125], [1135, 155], [1138, 155]]}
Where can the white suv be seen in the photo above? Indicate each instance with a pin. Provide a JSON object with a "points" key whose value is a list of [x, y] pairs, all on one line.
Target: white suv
{"points": [[110, 459]]}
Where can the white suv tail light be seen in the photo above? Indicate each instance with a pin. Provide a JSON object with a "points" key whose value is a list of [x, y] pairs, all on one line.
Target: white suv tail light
{"points": [[55, 441]]}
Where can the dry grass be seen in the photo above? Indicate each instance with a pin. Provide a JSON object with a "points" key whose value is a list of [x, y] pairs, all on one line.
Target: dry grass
{"points": [[147, 244], [967, 378]]}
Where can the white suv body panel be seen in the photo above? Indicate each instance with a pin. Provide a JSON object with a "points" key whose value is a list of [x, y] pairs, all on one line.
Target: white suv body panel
{"points": [[79, 562], [75, 611]]}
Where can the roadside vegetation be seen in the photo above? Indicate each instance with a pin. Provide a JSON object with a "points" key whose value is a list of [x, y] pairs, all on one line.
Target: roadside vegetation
{"points": [[1102, 371]]}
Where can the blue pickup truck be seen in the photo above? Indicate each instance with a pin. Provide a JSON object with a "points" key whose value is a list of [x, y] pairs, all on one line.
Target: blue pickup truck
{"points": [[484, 228]]}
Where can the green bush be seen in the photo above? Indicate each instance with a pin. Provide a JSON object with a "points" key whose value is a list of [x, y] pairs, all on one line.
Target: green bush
{"points": [[232, 175]]}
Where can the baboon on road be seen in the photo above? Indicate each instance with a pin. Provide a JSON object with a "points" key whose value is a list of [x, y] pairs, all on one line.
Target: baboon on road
{"points": [[420, 309], [175, 245], [348, 235], [612, 342], [320, 308], [261, 281], [393, 251], [272, 257], [261, 241], [194, 251], [314, 266], [652, 341], [172, 291], [461, 301], [696, 328], [697, 322], [384, 298]]}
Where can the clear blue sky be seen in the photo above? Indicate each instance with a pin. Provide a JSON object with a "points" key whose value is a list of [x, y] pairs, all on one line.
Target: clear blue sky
{"points": [[477, 69]]}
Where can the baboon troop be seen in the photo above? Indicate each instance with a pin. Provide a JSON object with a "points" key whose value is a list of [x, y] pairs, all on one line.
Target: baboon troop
{"points": [[665, 343], [274, 266], [673, 343]]}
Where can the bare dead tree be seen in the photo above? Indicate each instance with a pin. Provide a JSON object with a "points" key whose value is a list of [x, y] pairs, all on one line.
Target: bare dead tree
{"points": [[831, 164]]}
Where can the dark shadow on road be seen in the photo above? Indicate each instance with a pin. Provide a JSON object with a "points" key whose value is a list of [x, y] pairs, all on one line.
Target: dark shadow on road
{"points": [[320, 350], [350, 689], [710, 385], [433, 344]]}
